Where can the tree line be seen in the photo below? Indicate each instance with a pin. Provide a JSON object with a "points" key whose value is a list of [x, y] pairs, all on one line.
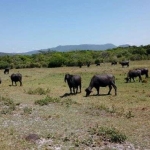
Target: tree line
{"points": [[52, 58]]}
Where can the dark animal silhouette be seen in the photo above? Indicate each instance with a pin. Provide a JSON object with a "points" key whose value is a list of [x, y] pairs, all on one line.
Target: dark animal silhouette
{"points": [[144, 71], [6, 71], [0, 80], [16, 78], [74, 81], [98, 81], [133, 74], [124, 63], [98, 64], [88, 64], [114, 63]]}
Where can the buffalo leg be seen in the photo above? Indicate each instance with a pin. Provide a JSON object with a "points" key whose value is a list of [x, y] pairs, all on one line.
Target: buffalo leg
{"points": [[97, 88], [20, 83], [140, 78], [80, 88], [76, 89], [70, 90], [110, 87], [114, 86], [133, 79]]}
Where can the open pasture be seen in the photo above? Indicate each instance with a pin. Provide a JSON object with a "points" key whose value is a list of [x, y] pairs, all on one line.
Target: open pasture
{"points": [[67, 121]]}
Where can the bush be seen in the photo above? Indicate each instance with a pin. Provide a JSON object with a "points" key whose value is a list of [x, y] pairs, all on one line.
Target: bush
{"points": [[7, 105], [39, 91], [47, 100], [108, 134], [27, 110]]}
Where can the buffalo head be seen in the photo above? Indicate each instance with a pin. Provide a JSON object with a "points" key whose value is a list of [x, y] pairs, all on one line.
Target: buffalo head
{"points": [[67, 77], [88, 91], [127, 79]]}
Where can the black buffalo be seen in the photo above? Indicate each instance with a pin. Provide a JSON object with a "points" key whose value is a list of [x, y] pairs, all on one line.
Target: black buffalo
{"points": [[133, 74], [113, 63], [88, 64], [74, 81], [98, 64], [144, 71], [16, 78], [6, 71], [98, 81], [124, 63], [0, 80]]}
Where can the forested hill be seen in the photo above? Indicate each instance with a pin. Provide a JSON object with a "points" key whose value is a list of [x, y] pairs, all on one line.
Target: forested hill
{"points": [[53, 58]]}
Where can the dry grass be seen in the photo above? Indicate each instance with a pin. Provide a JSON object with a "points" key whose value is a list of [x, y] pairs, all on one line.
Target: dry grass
{"points": [[66, 122]]}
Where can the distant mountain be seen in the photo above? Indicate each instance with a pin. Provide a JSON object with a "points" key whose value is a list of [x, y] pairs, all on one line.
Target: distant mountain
{"points": [[66, 48], [125, 45], [83, 47]]}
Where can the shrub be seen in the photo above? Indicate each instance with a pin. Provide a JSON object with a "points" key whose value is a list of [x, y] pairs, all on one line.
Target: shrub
{"points": [[7, 105], [39, 91], [108, 134], [47, 100], [27, 110]]}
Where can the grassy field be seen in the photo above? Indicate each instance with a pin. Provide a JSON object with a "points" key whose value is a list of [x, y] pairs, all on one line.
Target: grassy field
{"points": [[74, 121]]}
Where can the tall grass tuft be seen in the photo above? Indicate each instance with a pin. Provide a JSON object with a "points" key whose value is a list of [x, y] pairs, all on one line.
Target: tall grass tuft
{"points": [[108, 134], [39, 91], [47, 100], [7, 105]]}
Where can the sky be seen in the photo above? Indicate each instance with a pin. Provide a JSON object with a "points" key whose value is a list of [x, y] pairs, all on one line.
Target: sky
{"points": [[27, 25]]}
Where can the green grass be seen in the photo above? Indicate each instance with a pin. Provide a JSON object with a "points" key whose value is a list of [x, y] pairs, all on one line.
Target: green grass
{"points": [[43, 106]]}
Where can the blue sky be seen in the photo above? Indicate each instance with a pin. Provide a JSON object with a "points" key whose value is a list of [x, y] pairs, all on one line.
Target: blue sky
{"points": [[27, 25]]}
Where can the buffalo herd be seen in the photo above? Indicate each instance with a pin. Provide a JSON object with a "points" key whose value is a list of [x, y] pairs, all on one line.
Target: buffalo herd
{"points": [[97, 81], [103, 80]]}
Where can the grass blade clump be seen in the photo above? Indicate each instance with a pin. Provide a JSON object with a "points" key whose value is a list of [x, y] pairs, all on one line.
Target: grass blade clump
{"points": [[27, 110], [108, 134], [6, 105], [47, 100], [39, 91]]}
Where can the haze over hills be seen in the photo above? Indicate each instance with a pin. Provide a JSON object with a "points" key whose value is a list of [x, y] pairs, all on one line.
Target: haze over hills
{"points": [[66, 48]]}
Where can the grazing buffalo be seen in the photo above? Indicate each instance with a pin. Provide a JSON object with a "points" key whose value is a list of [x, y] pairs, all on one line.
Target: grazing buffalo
{"points": [[144, 71], [74, 81], [6, 71], [133, 74], [98, 64], [98, 81], [113, 63], [124, 63], [16, 78]]}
